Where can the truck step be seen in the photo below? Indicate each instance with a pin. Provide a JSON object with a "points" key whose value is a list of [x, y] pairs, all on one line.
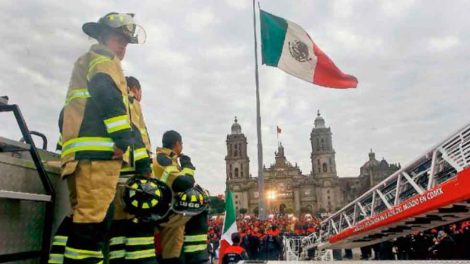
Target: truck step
{"points": [[8, 145], [25, 196]]}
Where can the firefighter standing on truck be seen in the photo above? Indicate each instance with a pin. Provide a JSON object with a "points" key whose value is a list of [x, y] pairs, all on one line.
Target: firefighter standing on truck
{"points": [[96, 132], [180, 178], [131, 240]]}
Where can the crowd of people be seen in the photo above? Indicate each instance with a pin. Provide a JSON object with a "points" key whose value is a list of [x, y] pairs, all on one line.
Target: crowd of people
{"points": [[448, 242], [262, 240]]}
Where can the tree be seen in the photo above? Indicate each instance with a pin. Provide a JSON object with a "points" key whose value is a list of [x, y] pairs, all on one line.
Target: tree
{"points": [[243, 210], [256, 211], [217, 205], [320, 211], [289, 211]]}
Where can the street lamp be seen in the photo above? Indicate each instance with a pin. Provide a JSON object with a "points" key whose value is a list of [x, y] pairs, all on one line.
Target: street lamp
{"points": [[271, 195]]}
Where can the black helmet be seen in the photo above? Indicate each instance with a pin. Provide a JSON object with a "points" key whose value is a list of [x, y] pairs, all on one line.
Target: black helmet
{"points": [[147, 198], [117, 22], [193, 201]]}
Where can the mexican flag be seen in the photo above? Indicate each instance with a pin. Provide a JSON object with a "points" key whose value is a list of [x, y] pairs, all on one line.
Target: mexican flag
{"points": [[230, 225], [287, 46]]}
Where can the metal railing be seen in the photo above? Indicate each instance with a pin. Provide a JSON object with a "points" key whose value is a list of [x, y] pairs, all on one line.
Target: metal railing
{"points": [[437, 165], [48, 197]]}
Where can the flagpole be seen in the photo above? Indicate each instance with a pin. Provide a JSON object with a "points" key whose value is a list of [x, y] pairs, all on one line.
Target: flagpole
{"points": [[261, 213]]}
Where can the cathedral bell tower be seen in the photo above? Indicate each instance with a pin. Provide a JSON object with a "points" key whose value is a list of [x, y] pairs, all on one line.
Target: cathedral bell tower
{"points": [[237, 161], [323, 154]]}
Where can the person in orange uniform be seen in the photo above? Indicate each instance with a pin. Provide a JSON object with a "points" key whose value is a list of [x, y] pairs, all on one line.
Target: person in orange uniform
{"points": [[234, 253]]}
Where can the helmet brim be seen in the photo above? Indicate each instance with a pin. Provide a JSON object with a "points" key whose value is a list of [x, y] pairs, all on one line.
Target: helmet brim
{"points": [[95, 30]]}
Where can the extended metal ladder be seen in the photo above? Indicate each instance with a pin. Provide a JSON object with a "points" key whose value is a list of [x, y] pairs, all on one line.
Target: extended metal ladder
{"points": [[48, 197]]}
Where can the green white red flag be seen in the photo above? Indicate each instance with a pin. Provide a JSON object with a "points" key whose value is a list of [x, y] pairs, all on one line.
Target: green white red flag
{"points": [[287, 46], [230, 225]]}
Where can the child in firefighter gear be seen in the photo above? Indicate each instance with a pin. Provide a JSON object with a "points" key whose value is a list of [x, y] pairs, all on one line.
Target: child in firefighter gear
{"points": [[180, 178], [95, 134], [234, 253], [131, 240], [195, 247]]}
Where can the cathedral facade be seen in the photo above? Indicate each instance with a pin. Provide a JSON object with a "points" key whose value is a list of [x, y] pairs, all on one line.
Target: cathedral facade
{"points": [[286, 188]]}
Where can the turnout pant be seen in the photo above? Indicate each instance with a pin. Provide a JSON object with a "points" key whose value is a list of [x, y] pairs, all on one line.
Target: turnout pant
{"points": [[171, 234], [130, 241], [92, 186]]}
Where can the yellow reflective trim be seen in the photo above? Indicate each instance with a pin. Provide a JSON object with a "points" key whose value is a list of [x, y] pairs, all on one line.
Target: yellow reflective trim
{"points": [[193, 198], [167, 172], [195, 238], [73, 253], [194, 248], [183, 198], [135, 203], [117, 254], [56, 258], [87, 144], [94, 62], [60, 238], [154, 202], [187, 171], [135, 241], [140, 254], [117, 123], [157, 192], [77, 93], [140, 153], [145, 206], [117, 240]]}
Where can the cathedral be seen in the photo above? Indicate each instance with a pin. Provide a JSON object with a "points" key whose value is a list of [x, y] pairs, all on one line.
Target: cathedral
{"points": [[287, 189]]}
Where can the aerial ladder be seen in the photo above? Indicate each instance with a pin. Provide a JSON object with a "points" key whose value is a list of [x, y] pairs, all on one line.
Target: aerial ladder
{"points": [[432, 191]]}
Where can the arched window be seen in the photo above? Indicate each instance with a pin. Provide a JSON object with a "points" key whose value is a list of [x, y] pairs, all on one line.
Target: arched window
{"points": [[322, 144], [241, 171], [318, 165], [318, 144], [236, 172], [325, 167]]}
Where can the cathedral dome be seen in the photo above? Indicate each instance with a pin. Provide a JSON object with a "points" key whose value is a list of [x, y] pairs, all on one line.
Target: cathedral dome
{"points": [[372, 162], [319, 121], [236, 128]]}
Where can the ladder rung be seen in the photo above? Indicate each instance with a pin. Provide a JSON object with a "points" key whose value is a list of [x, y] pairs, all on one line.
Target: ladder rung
{"points": [[8, 145], [25, 196]]}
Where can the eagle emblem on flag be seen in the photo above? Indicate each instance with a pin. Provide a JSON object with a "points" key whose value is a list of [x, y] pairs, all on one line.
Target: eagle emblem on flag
{"points": [[299, 51]]}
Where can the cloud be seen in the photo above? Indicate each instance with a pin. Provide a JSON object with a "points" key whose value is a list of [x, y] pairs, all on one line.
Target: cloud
{"points": [[443, 43], [197, 73]]}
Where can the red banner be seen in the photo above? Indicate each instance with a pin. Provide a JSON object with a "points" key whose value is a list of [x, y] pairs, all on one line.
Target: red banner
{"points": [[449, 192]]}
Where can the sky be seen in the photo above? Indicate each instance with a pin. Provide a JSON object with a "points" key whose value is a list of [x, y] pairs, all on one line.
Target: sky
{"points": [[196, 68]]}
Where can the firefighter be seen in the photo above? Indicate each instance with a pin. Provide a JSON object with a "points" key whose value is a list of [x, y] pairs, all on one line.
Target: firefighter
{"points": [[96, 132], [135, 96], [234, 253], [195, 246], [131, 240], [180, 177]]}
